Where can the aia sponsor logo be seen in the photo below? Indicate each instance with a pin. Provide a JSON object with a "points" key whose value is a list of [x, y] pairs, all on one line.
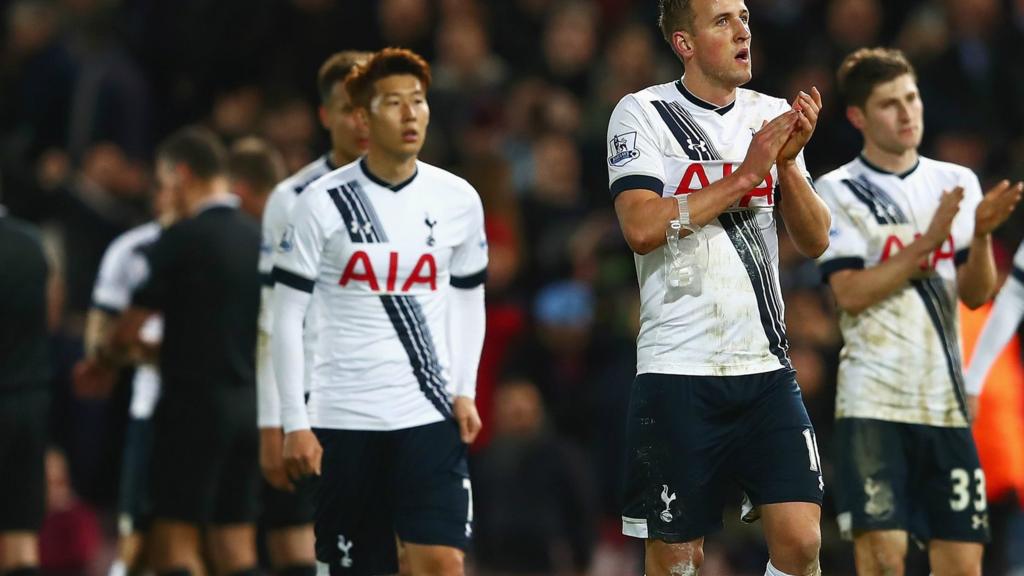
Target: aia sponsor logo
{"points": [[360, 269], [700, 176], [893, 245]]}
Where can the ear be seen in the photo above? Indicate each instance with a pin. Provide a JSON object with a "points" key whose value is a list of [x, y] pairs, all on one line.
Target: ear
{"points": [[856, 117], [682, 43], [322, 113]]}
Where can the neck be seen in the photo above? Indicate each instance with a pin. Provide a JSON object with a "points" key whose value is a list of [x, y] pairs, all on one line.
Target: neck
{"points": [[340, 158], [206, 192], [708, 90], [895, 162], [389, 168]]}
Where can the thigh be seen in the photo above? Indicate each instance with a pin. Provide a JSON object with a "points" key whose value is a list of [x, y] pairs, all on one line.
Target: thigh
{"points": [[23, 429], [355, 502], [872, 460], [778, 460], [675, 487], [954, 486], [432, 482]]}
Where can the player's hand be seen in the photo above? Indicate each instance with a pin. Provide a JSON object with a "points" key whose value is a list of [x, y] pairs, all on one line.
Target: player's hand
{"points": [[467, 417], [996, 207], [272, 459], [91, 379], [972, 406], [766, 144], [942, 222], [809, 107], [302, 454]]}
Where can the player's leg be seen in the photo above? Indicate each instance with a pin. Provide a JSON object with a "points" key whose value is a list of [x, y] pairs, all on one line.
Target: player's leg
{"points": [[779, 468], [134, 513], [434, 517], [880, 552], [793, 533], [673, 559], [23, 431], [950, 558], [290, 550], [232, 549], [355, 499], [957, 505], [174, 548]]}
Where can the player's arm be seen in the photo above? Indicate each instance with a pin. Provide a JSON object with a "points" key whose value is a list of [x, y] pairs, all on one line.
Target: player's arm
{"points": [[806, 215], [644, 215], [858, 290], [295, 270], [1002, 323], [977, 277]]}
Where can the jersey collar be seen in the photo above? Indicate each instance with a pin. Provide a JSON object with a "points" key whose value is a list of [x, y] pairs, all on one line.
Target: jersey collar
{"points": [[880, 170], [701, 103], [383, 183]]}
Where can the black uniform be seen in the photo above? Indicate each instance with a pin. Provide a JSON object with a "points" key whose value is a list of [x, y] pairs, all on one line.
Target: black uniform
{"points": [[24, 375], [204, 278]]}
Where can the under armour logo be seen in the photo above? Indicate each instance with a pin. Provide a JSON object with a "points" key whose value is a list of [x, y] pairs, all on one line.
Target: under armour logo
{"points": [[345, 546], [666, 514], [979, 521], [698, 145], [430, 225], [354, 227]]}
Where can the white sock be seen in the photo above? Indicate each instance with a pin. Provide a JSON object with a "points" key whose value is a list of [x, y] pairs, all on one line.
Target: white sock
{"points": [[773, 571], [118, 568]]}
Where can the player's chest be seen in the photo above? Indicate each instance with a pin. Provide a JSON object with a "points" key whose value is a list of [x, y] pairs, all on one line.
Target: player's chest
{"points": [[393, 247]]}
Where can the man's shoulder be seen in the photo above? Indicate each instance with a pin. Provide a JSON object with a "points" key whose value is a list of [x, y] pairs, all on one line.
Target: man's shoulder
{"points": [[299, 181], [930, 165], [134, 238], [753, 98]]}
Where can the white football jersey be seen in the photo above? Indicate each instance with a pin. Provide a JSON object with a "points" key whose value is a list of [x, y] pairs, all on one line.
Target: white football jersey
{"points": [[122, 270], [667, 140], [901, 360], [378, 260]]}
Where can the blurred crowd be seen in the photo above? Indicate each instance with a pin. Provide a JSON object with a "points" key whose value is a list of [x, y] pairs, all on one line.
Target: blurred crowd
{"points": [[519, 106]]}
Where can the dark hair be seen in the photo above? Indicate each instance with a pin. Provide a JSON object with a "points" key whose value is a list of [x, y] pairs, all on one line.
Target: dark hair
{"points": [[335, 69], [196, 147], [387, 62], [674, 15], [866, 68], [257, 162]]}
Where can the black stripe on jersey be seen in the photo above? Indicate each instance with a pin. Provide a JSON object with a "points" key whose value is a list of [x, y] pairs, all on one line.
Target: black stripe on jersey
{"points": [[1018, 274], [355, 230], [835, 265], [267, 279], [292, 280], [471, 281], [414, 334], [743, 232], [696, 145], [961, 256], [882, 206], [354, 192], [942, 313]]}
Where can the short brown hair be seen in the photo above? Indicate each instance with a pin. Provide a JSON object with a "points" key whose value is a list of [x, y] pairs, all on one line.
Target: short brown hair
{"points": [[196, 147], [335, 69], [866, 68], [387, 62], [674, 15], [257, 162]]}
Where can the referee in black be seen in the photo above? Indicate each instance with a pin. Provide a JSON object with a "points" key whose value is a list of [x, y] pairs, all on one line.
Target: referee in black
{"points": [[24, 394], [204, 279]]}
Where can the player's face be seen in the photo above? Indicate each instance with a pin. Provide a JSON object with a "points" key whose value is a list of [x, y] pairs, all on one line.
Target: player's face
{"points": [[349, 133], [398, 115], [720, 41], [172, 188], [893, 116]]}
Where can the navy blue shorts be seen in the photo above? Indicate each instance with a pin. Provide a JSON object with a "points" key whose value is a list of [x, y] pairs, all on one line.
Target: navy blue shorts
{"points": [[926, 480], [691, 440], [289, 509], [23, 439], [134, 506], [374, 486]]}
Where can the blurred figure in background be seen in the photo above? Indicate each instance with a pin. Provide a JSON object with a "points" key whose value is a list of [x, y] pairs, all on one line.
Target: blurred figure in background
{"points": [[253, 169]]}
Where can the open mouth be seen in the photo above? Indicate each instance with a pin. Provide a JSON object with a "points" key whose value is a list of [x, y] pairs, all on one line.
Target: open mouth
{"points": [[743, 56], [410, 136]]}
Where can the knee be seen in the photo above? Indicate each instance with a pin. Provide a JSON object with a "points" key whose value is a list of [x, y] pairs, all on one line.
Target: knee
{"points": [[674, 559], [797, 551]]}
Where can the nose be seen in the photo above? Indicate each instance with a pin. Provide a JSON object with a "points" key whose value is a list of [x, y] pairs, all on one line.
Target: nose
{"points": [[742, 30], [408, 112]]}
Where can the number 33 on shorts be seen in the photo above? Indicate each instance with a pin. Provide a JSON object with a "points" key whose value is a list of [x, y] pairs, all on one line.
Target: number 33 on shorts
{"points": [[962, 496]]}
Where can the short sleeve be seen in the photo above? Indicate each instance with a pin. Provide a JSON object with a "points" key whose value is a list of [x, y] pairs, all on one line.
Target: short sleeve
{"points": [[112, 292], [847, 248], [469, 259], [162, 256], [298, 253], [634, 158], [963, 224]]}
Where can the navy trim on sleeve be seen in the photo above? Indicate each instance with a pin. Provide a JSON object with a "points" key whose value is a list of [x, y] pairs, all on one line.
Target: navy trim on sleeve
{"points": [[108, 309], [1018, 274], [267, 279], [293, 280], [471, 281], [832, 266], [960, 258], [636, 182]]}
